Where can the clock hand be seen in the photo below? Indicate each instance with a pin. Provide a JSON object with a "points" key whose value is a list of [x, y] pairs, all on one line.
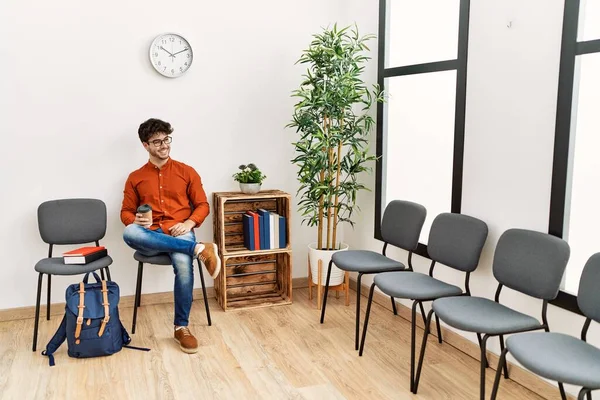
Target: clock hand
{"points": [[180, 52], [167, 51]]}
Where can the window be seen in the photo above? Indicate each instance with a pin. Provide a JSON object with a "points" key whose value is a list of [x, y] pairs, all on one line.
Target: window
{"points": [[420, 129], [574, 212]]}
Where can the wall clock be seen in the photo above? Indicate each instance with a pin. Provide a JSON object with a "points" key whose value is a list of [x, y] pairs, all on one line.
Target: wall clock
{"points": [[171, 55]]}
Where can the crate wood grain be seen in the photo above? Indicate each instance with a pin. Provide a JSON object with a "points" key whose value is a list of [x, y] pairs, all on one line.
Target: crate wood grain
{"points": [[250, 278]]}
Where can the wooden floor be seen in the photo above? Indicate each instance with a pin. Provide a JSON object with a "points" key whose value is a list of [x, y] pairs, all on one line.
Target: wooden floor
{"points": [[271, 353]]}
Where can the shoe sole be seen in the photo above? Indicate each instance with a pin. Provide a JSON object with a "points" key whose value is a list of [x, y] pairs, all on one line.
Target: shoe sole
{"points": [[188, 351], [218, 269]]}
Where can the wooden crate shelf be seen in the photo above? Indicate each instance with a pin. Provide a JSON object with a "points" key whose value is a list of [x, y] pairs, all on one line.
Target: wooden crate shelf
{"points": [[250, 278]]}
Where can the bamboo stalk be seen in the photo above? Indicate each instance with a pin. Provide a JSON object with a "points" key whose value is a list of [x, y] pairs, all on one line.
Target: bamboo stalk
{"points": [[329, 174], [321, 199], [337, 184]]}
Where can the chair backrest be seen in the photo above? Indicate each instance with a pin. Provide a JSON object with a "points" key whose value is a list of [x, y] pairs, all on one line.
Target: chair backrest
{"points": [[531, 262], [588, 297], [402, 223], [456, 240], [72, 221]]}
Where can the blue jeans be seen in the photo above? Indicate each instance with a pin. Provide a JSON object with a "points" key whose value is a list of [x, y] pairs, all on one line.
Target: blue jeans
{"points": [[181, 251]]}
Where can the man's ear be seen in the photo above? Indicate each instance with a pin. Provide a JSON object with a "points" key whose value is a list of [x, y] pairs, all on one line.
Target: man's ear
{"points": [[146, 146]]}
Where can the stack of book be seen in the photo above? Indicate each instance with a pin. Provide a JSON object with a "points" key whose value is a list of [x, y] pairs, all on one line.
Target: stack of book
{"points": [[84, 255], [264, 230]]}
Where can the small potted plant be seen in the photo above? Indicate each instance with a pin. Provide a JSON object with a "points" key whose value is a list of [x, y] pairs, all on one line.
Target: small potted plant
{"points": [[250, 178]]}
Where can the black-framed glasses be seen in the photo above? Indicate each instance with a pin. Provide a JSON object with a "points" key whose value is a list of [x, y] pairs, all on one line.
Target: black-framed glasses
{"points": [[158, 142]]}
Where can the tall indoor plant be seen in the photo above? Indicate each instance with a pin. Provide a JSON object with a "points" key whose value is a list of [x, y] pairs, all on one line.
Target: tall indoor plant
{"points": [[333, 120]]}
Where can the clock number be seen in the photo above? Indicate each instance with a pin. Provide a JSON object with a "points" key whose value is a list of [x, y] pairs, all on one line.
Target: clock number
{"points": [[155, 54], [172, 39], [159, 64], [188, 55], [164, 42], [186, 63], [180, 69], [172, 71]]}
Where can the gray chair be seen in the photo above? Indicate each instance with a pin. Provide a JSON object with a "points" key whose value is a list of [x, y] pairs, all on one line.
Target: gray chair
{"points": [[400, 226], [560, 357], [455, 240], [161, 259], [68, 222], [529, 262]]}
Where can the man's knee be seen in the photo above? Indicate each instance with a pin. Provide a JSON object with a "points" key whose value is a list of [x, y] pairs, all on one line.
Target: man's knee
{"points": [[132, 232]]}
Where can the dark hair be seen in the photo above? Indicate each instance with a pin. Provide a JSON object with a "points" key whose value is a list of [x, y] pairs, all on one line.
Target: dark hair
{"points": [[153, 126]]}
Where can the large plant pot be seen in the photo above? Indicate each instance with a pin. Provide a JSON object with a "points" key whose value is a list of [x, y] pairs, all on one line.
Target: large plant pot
{"points": [[250, 188], [314, 255]]}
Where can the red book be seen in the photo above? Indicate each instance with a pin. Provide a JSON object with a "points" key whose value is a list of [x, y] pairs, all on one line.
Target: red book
{"points": [[83, 251], [256, 230]]}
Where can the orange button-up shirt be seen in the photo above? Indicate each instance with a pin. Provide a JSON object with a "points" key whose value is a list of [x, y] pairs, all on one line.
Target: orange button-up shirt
{"points": [[174, 191]]}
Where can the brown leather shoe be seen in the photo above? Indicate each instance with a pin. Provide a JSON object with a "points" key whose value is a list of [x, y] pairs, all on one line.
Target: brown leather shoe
{"points": [[210, 258], [187, 341]]}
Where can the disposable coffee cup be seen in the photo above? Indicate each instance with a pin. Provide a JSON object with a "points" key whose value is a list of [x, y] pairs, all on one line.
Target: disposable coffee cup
{"points": [[146, 211]]}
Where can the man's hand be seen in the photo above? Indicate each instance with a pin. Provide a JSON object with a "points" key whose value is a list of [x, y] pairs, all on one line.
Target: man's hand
{"points": [[182, 228], [141, 220]]}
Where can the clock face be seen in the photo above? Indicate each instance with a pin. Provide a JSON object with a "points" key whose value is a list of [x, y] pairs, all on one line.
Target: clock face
{"points": [[171, 55]]}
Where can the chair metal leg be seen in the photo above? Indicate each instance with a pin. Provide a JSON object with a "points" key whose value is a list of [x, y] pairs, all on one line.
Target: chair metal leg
{"points": [[415, 385], [439, 329], [563, 394], [413, 337], [48, 297], [366, 323], [423, 313], [204, 294], [138, 294], [102, 274], [37, 311], [326, 290], [479, 340], [502, 349], [483, 367], [358, 285], [501, 365], [394, 305], [108, 274], [583, 392]]}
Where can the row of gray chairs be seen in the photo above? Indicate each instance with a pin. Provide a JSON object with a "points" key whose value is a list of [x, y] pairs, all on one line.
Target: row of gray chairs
{"points": [[529, 262]]}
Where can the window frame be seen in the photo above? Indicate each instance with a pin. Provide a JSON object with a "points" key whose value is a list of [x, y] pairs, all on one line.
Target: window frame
{"points": [[570, 49], [460, 65]]}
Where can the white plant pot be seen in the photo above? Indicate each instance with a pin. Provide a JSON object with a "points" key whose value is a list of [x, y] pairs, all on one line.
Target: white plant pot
{"points": [[314, 255], [250, 188]]}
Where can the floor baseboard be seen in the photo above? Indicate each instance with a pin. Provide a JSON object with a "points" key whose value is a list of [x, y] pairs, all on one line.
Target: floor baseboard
{"points": [[18, 313], [516, 373]]}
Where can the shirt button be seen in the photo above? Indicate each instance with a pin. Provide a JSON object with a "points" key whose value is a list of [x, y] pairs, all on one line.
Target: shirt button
{"points": [[159, 174], [161, 187], [162, 201]]}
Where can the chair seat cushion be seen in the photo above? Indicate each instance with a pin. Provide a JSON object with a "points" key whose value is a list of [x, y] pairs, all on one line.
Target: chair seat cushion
{"points": [[159, 259], [481, 315], [557, 356], [56, 266], [414, 285], [365, 261]]}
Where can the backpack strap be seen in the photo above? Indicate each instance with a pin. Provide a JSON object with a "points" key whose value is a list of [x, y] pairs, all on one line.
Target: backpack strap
{"points": [[81, 306], [105, 303], [59, 337]]}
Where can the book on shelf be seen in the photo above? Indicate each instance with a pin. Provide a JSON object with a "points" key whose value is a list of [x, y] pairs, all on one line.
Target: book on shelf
{"points": [[281, 232], [266, 229], [84, 255], [257, 234], [248, 225]]}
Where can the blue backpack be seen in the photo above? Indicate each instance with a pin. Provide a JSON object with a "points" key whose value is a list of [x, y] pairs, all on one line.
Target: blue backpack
{"points": [[91, 324]]}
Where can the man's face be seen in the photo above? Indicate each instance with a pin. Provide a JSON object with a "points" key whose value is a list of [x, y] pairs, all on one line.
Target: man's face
{"points": [[158, 147]]}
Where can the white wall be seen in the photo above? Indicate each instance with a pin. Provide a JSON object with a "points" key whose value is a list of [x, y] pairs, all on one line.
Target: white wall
{"points": [[511, 108], [76, 82]]}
